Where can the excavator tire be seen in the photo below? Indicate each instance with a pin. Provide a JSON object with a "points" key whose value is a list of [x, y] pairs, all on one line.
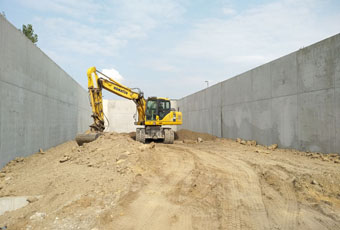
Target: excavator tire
{"points": [[142, 136], [86, 138], [169, 136], [138, 135]]}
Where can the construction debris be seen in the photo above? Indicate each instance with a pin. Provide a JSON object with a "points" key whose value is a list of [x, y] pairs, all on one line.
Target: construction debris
{"points": [[272, 147]]}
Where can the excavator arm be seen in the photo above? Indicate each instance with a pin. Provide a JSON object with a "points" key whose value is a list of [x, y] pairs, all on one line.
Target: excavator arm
{"points": [[96, 99]]}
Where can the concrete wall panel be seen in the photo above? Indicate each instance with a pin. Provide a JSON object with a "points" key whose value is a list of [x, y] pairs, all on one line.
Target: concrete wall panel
{"points": [[316, 67], [237, 89], [261, 83], [284, 118], [228, 126], [215, 120], [237, 121], [120, 115], [212, 98], [292, 101], [283, 73], [316, 121], [336, 51], [337, 120], [229, 92], [204, 123], [41, 106], [261, 121]]}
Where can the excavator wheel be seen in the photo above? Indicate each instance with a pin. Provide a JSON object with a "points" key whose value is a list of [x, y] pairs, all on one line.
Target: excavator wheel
{"points": [[140, 135], [86, 138], [169, 136]]}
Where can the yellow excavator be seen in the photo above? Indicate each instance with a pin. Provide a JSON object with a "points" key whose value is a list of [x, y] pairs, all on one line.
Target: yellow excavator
{"points": [[153, 113]]}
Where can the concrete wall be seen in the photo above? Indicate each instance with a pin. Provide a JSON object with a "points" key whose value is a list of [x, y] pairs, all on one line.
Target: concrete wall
{"points": [[293, 101], [120, 114], [41, 106]]}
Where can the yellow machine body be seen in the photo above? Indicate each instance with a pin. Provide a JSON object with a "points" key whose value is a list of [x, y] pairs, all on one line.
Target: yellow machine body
{"points": [[153, 113]]}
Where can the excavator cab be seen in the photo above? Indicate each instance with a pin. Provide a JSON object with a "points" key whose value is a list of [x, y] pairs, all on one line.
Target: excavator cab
{"points": [[157, 107], [158, 113]]}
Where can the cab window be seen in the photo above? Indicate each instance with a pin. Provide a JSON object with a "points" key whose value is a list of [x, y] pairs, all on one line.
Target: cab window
{"points": [[151, 110], [163, 108]]}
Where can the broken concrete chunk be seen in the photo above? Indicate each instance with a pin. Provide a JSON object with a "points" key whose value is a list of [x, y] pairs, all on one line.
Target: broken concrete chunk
{"points": [[243, 142], [19, 159], [41, 151], [12, 203], [152, 145], [272, 147], [120, 161], [32, 199], [199, 140], [314, 182], [38, 216], [64, 159], [251, 143], [238, 140], [122, 157]]}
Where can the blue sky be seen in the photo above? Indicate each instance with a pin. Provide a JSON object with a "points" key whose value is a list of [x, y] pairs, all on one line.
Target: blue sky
{"points": [[170, 48]]}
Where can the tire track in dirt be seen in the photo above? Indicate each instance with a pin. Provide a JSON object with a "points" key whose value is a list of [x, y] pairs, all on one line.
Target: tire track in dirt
{"points": [[151, 209], [243, 205]]}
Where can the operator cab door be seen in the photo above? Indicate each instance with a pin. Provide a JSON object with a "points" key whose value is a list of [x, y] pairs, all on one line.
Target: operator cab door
{"points": [[164, 108], [151, 109]]}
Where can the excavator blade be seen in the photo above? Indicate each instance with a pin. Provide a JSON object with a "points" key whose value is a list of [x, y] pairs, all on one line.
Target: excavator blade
{"points": [[86, 138]]}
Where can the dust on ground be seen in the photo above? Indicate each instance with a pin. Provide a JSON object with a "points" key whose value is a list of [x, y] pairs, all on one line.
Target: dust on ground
{"points": [[118, 183]]}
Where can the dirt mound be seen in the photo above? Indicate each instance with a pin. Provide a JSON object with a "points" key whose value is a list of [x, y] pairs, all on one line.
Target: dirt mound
{"points": [[118, 183], [185, 134]]}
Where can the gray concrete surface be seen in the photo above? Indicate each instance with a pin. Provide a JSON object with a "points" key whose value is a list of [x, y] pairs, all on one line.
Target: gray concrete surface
{"points": [[120, 115], [293, 101], [41, 106], [9, 203]]}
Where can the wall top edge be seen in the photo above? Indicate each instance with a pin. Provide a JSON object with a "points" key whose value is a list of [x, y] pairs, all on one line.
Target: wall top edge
{"points": [[260, 66]]}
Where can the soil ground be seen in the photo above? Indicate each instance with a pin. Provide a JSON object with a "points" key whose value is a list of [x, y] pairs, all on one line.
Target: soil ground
{"points": [[118, 183]]}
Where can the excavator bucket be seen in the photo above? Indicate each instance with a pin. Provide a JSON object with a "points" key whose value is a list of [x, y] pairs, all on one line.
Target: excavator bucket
{"points": [[86, 138]]}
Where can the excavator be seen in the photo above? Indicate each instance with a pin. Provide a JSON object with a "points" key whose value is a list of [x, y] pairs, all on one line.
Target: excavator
{"points": [[153, 113]]}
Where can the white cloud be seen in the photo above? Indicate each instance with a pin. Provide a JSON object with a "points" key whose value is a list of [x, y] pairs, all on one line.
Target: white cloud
{"points": [[259, 34], [114, 74], [73, 8], [103, 28], [228, 11], [74, 37]]}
